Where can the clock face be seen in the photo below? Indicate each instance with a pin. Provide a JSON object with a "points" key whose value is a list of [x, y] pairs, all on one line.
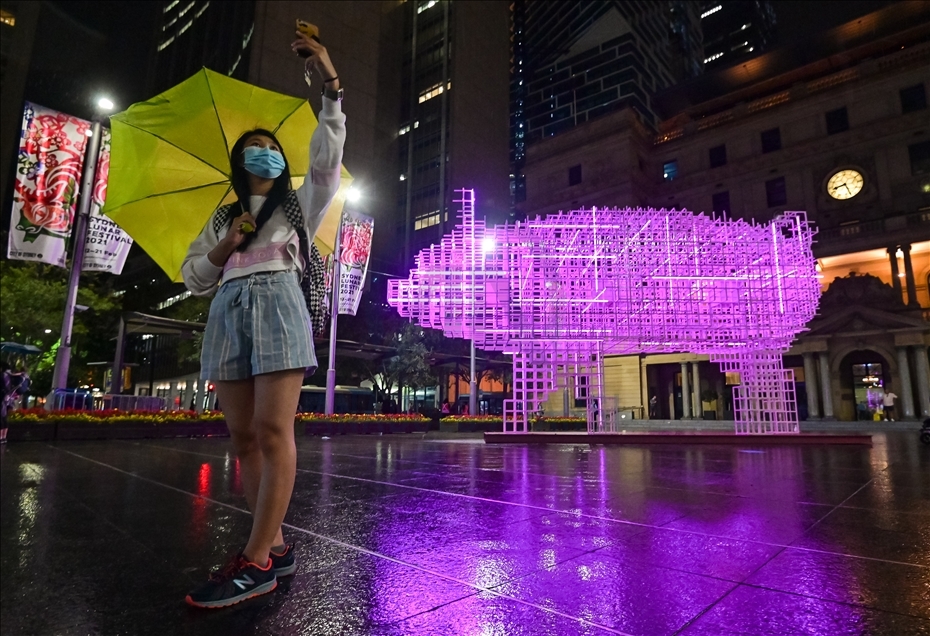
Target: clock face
{"points": [[845, 184]]}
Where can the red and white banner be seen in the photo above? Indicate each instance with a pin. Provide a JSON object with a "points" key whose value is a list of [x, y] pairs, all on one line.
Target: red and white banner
{"points": [[48, 175], [355, 250], [107, 245], [48, 178]]}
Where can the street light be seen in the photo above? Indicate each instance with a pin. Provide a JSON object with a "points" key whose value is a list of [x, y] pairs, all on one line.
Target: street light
{"points": [[91, 152], [353, 195]]}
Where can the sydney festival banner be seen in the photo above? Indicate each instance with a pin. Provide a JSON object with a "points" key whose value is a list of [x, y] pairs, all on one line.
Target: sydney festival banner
{"points": [[107, 245], [357, 231], [48, 174], [48, 177]]}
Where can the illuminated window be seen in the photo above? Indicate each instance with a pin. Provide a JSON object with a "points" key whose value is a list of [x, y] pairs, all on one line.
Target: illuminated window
{"points": [[670, 170], [7, 18], [432, 92], [428, 5]]}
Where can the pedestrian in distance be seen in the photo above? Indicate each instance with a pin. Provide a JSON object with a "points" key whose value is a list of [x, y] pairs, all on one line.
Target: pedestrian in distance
{"points": [[6, 397], [888, 405], [258, 343]]}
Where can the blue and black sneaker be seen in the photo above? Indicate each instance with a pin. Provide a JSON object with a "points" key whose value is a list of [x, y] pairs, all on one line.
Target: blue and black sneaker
{"points": [[239, 580], [284, 563]]}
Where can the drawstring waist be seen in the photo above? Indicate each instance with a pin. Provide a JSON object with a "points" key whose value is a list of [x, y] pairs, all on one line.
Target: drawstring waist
{"points": [[242, 286]]}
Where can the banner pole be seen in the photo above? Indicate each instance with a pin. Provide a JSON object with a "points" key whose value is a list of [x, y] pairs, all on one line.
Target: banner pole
{"points": [[330, 406], [63, 356]]}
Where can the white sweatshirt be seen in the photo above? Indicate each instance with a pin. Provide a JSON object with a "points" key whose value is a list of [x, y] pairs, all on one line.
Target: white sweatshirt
{"points": [[275, 247]]}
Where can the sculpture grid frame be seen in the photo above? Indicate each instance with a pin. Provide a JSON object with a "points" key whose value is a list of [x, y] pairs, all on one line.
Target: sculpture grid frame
{"points": [[559, 293]]}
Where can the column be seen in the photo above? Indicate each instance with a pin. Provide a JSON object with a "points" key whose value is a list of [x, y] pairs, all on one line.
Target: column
{"points": [[923, 380], [909, 277], [199, 394], [698, 405], [825, 386], [895, 279], [810, 383], [685, 393], [904, 386]]}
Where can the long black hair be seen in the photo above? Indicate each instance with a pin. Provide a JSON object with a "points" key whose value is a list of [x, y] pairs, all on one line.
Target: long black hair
{"points": [[240, 184]]}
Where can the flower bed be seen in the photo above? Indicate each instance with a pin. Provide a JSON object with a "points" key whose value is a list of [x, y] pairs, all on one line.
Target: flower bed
{"points": [[114, 417], [39, 424], [362, 424]]}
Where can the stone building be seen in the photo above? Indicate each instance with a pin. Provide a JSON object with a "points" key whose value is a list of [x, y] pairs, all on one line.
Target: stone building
{"points": [[841, 130]]}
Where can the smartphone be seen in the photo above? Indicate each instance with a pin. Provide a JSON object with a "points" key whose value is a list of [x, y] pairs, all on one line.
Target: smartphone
{"points": [[310, 30]]}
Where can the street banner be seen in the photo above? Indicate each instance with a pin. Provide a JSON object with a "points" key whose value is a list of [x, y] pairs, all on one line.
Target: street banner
{"points": [[48, 175], [107, 245], [355, 243]]}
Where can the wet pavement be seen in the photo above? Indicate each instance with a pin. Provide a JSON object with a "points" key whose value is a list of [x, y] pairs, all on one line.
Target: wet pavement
{"points": [[398, 535]]}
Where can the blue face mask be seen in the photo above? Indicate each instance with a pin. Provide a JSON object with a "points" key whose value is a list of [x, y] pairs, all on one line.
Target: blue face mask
{"points": [[263, 162]]}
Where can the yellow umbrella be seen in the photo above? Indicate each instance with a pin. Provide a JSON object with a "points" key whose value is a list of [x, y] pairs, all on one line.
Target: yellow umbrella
{"points": [[169, 160]]}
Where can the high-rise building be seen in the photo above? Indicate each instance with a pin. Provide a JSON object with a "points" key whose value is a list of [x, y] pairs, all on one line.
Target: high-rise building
{"points": [[199, 33], [423, 80], [573, 62], [736, 30], [453, 128]]}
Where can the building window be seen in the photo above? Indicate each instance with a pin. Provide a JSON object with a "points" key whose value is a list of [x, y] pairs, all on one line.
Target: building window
{"points": [[920, 157], [913, 98], [721, 202], [837, 121], [574, 175], [718, 156], [771, 140], [7, 18], [670, 170], [775, 193]]}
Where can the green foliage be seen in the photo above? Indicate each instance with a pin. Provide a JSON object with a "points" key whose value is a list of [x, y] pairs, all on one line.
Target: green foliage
{"points": [[32, 300]]}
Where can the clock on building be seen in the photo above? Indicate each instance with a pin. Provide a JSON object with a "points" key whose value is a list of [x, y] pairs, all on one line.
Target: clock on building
{"points": [[845, 184]]}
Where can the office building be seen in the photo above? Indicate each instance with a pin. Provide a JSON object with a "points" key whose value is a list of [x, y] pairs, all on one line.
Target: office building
{"points": [[192, 34], [573, 62], [736, 30]]}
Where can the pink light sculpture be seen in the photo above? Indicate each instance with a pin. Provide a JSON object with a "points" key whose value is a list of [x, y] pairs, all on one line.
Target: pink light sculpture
{"points": [[560, 293]]}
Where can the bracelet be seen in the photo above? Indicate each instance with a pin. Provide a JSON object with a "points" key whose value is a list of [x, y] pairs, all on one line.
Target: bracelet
{"points": [[331, 79]]}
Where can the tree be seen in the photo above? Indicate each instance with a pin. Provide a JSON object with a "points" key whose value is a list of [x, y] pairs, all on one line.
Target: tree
{"points": [[32, 302]]}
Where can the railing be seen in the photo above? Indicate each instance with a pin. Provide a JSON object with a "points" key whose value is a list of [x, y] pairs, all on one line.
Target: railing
{"points": [[132, 403], [874, 228], [78, 400]]}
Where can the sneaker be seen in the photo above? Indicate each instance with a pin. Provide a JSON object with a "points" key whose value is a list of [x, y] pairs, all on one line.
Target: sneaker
{"points": [[284, 563], [239, 580]]}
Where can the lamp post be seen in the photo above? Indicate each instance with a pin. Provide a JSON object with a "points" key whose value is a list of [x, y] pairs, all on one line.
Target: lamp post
{"points": [[352, 196], [63, 356]]}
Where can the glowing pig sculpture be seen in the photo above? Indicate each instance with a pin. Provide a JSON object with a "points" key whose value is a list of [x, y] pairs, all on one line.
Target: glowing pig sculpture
{"points": [[560, 293]]}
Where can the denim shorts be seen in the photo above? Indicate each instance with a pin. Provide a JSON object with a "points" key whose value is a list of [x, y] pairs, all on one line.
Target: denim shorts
{"points": [[257, 324]]}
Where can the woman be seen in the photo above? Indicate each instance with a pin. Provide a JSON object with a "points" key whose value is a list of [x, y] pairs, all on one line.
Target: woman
{"points": [[258, 342]]}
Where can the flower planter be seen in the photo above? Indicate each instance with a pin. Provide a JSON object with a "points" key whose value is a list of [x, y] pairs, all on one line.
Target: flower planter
{"points": [[57, 430], [320, 425]]}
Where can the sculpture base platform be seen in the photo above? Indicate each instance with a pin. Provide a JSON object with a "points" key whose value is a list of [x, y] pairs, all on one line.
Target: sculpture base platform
{"points": [[638, 438]]}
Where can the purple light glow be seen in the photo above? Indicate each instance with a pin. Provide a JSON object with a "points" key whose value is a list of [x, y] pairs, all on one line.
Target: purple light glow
{"points": [[559, 293]]}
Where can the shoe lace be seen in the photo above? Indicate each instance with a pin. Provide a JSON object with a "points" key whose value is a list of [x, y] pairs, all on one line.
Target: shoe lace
{"points": [[229, 570]]}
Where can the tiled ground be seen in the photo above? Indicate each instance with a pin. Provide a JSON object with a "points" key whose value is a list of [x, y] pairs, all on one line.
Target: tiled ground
{"points": [[400, 536]]}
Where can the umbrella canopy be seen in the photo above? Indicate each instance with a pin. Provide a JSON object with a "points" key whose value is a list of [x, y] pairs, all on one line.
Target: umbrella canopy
{"points": [[15, 347], [169, 160]]}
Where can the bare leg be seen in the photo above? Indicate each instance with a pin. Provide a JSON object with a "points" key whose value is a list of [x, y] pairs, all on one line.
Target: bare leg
{"points": [[237, 398], [276, 397]]}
